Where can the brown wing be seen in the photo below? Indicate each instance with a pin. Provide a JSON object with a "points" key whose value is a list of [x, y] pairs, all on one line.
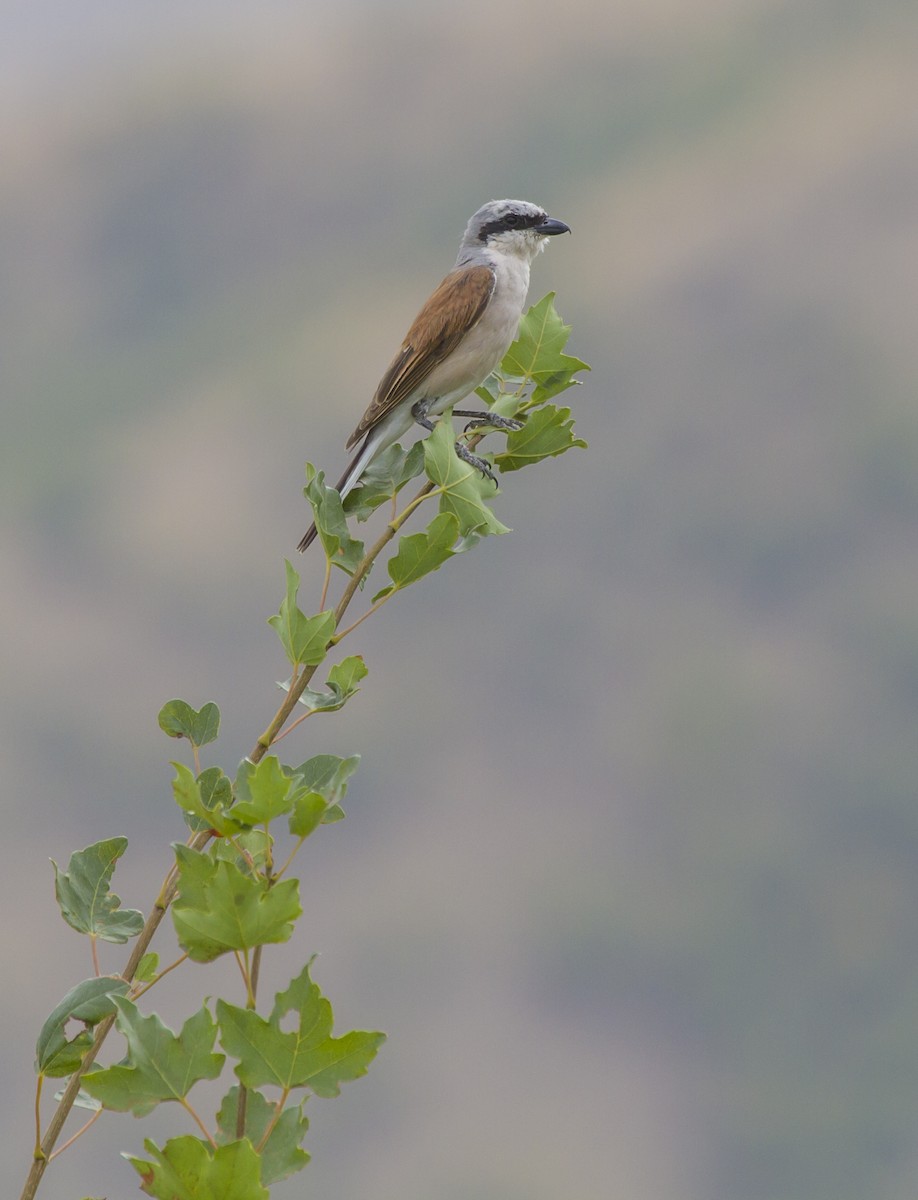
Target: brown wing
{"points": [[453, 309]]}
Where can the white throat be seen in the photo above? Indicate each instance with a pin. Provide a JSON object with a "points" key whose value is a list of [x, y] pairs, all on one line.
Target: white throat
{"points": [[523, 244]]}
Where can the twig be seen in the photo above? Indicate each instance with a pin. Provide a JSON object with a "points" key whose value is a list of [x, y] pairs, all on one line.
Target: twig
{"points": [[56, 1124], [170, 885], [299, 685]]}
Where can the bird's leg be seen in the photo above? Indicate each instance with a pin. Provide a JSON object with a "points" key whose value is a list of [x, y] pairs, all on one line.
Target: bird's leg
{"points": [[419, 412], [492, 420]]}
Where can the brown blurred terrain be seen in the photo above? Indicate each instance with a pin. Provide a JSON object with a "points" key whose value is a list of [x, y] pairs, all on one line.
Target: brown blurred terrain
{"points": [[630, 870]]}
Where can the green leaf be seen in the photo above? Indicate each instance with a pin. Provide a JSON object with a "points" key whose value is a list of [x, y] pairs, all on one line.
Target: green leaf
{"points": [[548, 431], [553, 383], [216, 796], [221, 908], [420, 553], [342, 684], [324, 781], [67, 1056], [385, 476], [204, 799], [83, 894], [502, 393], [249, 850], [538, 352], [160, 1064], [309, 1056], [188, 1169], [340, 548], [81, 1100], [147, 968], [308, 814], [281, 1155], [263, 791], [89, 1003], [344, 676], [328, 774], [491, 391], [178, 720], [305, 639], [462, 488]]}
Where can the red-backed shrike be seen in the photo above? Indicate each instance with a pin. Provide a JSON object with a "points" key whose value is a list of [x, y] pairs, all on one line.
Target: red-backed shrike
{"points": [[459, 336]]}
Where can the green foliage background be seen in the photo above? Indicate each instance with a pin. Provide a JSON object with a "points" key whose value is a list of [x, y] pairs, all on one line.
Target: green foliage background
{"points": [[629, 875]]}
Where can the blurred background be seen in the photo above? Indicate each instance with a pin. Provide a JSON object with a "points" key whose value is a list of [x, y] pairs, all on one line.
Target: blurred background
{"points": [[630, 870]]}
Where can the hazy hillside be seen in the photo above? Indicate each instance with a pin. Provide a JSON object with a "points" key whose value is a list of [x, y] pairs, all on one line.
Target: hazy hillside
{"points": [[630, 873]]}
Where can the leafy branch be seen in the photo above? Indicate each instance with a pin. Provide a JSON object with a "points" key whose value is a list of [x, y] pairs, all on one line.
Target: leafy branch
{"points": [[229, 890]]}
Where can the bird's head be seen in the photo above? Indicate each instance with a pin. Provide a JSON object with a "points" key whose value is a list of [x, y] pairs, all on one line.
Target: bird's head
{"points": [[511, 227]]}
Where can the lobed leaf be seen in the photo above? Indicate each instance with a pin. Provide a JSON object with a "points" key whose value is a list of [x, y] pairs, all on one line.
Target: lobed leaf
{"points": [[188, 1169], [221, 908], [548, 432], [160, 1066], [305, 639], [538, 351], [307, 1057], [342, 683], [281, 1154], [420, 553], [205, 800], [462, 488], [263, 791], [84, 898], [325, 776], [211, 799], [340, 548], [385, 476]]}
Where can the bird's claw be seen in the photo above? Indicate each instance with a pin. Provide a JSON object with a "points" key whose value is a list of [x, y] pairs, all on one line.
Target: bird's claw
{"points": [[474, 461], [492, 421]]}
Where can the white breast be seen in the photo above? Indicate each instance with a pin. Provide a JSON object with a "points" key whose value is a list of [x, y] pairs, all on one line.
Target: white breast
{"points": [[483, 347]]}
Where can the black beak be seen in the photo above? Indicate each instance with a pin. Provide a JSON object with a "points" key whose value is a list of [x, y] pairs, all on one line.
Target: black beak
{"points": [[549, 227]]}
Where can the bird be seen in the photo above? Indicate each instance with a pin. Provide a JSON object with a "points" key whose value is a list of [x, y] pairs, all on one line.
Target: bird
{"points": [[457, 339]]}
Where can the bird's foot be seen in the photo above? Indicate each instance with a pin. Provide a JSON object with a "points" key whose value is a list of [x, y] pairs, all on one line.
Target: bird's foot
{"points": [[490, 421], [474, 461]]}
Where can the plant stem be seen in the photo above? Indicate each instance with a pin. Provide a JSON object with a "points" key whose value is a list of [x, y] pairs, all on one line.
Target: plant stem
{"points": [[142, 991], [48, 1142], [278, 1113], [197, 1120], [301, 682], [79, 1133], [167, 893]]}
